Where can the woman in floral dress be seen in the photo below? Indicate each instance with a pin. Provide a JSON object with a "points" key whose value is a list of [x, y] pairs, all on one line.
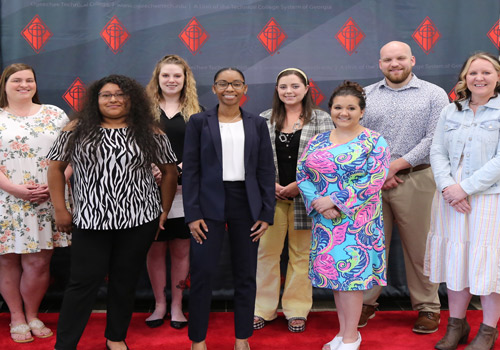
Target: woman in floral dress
{"points": [[340, 175], [27, 233]]}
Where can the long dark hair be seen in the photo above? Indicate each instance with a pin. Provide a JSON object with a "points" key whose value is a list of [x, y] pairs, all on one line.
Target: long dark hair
{"points": [[278, 114], [7, 72], [140, 119]]}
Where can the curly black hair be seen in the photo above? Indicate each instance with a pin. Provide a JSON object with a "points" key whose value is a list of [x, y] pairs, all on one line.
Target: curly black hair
{"points": [[140, 120]]}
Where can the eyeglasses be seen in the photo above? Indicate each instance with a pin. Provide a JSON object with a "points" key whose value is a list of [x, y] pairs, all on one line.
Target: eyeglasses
{"points": [[106, 96], [222, 84]]}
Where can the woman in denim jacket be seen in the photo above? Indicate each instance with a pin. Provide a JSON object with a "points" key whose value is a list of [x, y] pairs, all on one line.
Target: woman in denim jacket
{"points": [[463, 244]]}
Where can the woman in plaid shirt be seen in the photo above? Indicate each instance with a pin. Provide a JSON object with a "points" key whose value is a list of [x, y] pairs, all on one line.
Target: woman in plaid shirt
{"points": [[292, 121]]}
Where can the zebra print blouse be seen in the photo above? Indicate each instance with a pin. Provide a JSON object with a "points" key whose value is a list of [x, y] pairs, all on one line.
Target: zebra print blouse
{"points": [[113, 188]]}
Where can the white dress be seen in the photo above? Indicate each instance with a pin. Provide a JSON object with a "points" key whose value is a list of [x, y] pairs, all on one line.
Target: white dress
{"points": [[463, 250], [27, 227]]}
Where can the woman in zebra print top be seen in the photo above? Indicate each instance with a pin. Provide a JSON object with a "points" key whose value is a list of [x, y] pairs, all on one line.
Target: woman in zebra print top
{"points": [[110, 145]]}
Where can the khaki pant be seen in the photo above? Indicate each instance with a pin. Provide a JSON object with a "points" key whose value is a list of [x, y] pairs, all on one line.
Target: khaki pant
{"points": [[409, 206], [297, 295]]}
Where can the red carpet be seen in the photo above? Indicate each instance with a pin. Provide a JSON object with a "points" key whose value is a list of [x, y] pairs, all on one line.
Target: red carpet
{"points": [[388, 330]]}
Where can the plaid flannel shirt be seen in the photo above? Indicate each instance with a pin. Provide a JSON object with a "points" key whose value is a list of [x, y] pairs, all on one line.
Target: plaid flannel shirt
{"points": [[320, 122]]}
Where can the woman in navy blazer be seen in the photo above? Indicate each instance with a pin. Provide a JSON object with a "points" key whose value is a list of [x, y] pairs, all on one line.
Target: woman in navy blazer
{"points": [[228, 179]]}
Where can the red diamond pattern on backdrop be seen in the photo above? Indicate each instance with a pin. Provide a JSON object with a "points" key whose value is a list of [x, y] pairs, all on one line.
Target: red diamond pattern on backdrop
{"points": [[272, 36], [243, 100], [494, 34], [316, 93], [75, 94], [350, 36], [36, 33], [426, 35], [115, 34], [194, 36], [452, 94]]}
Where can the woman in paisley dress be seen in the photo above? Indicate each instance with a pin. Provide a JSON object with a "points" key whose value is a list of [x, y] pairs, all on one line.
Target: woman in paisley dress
{"points": [[27, 233], [340, 175]]}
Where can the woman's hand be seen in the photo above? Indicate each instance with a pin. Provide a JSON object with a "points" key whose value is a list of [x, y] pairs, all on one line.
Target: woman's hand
{"points": [[198, 228], [163, 219], [331, 214], [262, 227], [322, 204], [277, 192], [156, 173], [40, 195], [462, 206], [24, 192], [454, 194], [290, 191], [64, 221]]}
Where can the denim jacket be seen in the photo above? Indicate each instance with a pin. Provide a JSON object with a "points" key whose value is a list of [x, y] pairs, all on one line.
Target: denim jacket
{"points": [[473, 137]]}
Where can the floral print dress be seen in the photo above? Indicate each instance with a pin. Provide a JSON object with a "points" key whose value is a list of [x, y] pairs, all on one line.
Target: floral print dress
{"points": [[348, 252], [27, 227]]}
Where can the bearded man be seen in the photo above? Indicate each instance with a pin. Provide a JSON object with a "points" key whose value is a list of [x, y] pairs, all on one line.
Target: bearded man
{"points": [[405, 110]]}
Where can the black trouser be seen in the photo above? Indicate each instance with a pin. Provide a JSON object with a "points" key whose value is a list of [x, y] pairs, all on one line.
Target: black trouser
{"points": [[204, 261], [94, 254]]}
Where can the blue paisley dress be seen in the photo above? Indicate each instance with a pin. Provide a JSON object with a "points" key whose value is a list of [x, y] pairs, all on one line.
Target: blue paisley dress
{"points": [[348, 252]]}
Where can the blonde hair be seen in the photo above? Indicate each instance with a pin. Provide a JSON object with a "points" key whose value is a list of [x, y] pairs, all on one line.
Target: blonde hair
{"points": [[461, 89], [189, 97]]}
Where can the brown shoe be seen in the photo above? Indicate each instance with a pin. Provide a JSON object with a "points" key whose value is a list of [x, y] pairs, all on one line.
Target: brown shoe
{"points": [[457, 332], [427, 322], [485, 338], [367, 312]]}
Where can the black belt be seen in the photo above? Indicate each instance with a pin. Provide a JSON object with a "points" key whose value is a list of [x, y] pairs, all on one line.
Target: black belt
{"points": [[413, 169]]}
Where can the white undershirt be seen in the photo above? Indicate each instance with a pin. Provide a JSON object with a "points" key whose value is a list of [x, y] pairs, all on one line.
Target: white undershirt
{"points": [[233, 151]]}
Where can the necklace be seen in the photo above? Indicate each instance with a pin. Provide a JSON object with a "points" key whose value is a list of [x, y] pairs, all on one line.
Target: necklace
{"points": [[18, 114], [170, 112], [221, 124], [286, 138]]}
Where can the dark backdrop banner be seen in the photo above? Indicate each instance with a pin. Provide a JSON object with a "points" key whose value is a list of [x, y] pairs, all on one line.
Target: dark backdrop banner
{"points": [[71, 43]]}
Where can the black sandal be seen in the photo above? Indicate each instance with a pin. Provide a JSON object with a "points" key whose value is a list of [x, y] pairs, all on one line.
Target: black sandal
{"points": [[296, 329], [258, 322]]}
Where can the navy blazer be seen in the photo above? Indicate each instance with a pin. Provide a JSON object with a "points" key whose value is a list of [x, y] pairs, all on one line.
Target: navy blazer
{"points": [[202, 184]]}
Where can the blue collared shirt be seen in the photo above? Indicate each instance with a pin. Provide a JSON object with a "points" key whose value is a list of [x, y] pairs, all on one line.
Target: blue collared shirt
{"points": [[461, 135]]}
